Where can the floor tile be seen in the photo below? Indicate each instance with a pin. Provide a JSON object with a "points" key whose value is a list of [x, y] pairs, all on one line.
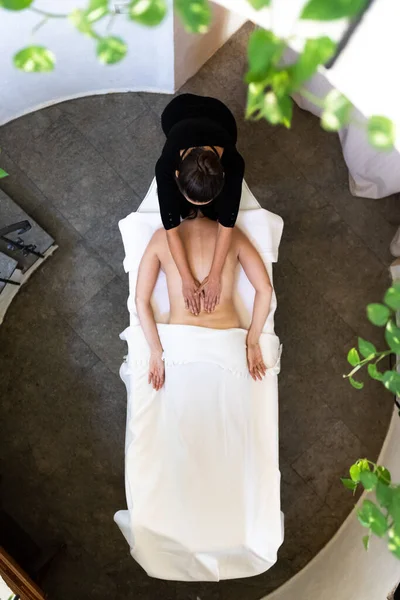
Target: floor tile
{"points": [[96, 116], [198, 591], [156, 102], [292, 485], [256, 588], [100, 321], [73, 176], [326, 461]]}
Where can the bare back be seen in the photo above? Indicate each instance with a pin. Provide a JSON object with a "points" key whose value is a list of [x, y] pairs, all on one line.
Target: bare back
{"points": [[199, 237]]}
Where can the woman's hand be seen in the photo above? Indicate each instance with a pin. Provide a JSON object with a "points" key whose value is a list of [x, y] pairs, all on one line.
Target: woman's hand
{"points": [[156, 370], [255, 362], [211, 288], [190, 287]]}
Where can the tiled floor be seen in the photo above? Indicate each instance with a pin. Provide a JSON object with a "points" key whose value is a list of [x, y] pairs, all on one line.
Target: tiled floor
{"points": [[77, 168]]}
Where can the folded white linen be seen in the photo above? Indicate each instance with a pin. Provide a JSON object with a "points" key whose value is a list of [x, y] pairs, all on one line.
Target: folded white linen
{"points": [[202, 473]]}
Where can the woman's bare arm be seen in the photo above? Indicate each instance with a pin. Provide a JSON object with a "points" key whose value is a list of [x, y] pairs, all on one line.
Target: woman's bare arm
{"points": [[211, 286], [147, 277], [189, 284], [258, 276]]}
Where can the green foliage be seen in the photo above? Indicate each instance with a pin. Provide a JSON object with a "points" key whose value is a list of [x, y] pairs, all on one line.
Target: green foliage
{"points": [[367, 350], [329, 10], [353, 357], [358, 385], [374, 373], [96, 10], [316, 52], [3, 173], [369, 480], [337, 111], [378, 314], [79, 19], [16, 4], [392, 336], [392, 297], [372, 517], [195, 14], [264, 51], [111, 50], [258, 4], [365, 541], [348, 483], [34, 59], [381, 133], [391, 381], [148, 12]]}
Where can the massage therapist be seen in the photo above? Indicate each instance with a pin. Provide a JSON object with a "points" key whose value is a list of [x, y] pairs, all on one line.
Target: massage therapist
{"points": [[199, 168]]}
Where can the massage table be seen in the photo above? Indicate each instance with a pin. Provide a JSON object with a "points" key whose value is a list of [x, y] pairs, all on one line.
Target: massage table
{"points": [[202, 474]]}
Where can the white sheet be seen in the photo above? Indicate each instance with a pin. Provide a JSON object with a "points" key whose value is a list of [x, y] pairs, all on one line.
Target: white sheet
{"points": [[202, 474]]}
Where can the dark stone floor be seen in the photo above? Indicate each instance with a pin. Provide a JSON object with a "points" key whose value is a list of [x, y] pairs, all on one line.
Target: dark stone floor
{"points": [[79, 167]]}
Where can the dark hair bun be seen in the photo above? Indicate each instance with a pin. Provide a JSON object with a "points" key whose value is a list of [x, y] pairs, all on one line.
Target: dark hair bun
{"points": [[201, 175], [208, 163]]}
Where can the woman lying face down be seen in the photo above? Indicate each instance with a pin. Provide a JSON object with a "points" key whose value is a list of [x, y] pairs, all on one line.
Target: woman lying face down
{"points": [[199, 238]]}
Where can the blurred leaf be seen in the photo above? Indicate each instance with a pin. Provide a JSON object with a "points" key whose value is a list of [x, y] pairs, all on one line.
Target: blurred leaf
{"points": [[383, 475], [79, 19], [3, 173], [258, 4], [96, 10], [363, 464], [369, 480], [316, 52], [374, 373], [392, 336], [255, 98], [337, 111], [391, 381], [328, 10], [34, 59], [381, 133], [394, 539], [277, 109], [371, 516], [356, 384], [111, 50], [264, 50], [280, 82], [16, 4], [378, 314], [392, 297], [355, 473], [365, 541], [348, 483], [394, 508], [148, 12], [366, 348], [195, 14], [353, 357], [383, 494]]}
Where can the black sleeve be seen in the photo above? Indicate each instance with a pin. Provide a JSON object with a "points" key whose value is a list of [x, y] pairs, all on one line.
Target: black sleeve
{"points": [[168, 192], [229, 199]]}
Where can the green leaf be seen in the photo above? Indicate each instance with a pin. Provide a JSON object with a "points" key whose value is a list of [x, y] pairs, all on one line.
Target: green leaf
{"points": [[316, 52], [195, 14], [363, 464], [381, 133], [383, 475], [329, 10], [34, 59], [16, 4], [383, 494], [391, 381], [255, 99], [3, 173], [392, 297], [258, 4], [148, 12], [371, 516], [378, 314], [111, 50], [365, 541], [277, 109], [366, 349], [394, 540], [337, 111], [392, 336], [79, 19], [369, 480], [96, 10], [353, 357], [264, 50], [374, 373], [349, 484], [358, 385], [355, 473]]}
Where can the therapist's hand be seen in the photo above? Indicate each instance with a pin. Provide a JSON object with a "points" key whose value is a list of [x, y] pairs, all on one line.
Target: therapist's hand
{"points": [[191, 297], [156, 370], [255, 362], [211, 288]]}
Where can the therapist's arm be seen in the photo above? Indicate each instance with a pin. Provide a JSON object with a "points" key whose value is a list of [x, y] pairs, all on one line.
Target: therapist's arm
{"points": [[258, 276], [147, 277], [211, 286], [190, 285]]}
